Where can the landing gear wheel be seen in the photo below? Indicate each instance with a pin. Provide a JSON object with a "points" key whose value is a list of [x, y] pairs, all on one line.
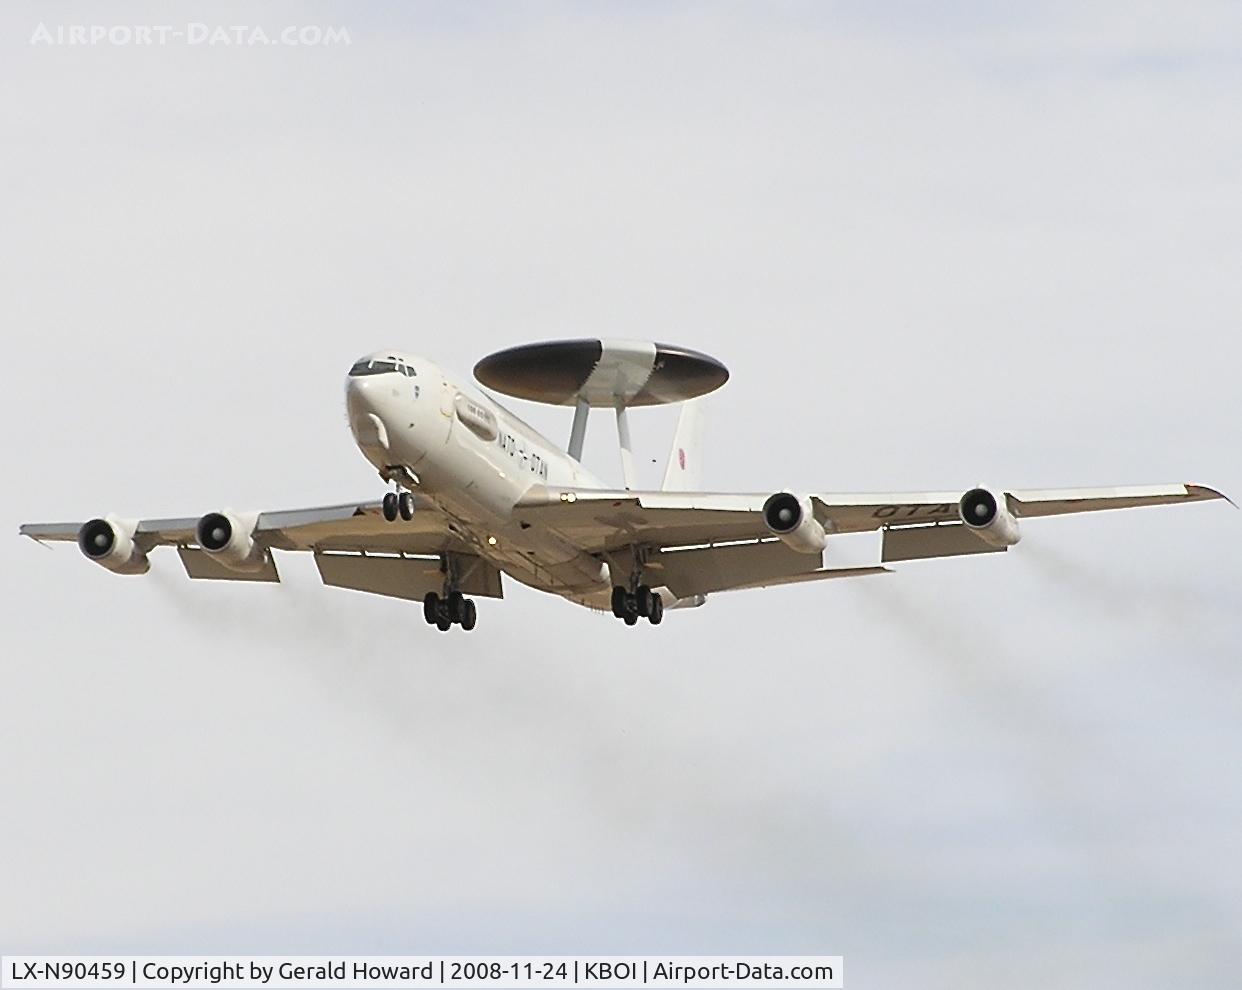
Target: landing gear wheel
{"points": [[642, 600], [431, 607], [619, 596], [656, 615], [390, 506], [405, 506], [443, 622], [631, 618], [469, 614], [456, 606]]}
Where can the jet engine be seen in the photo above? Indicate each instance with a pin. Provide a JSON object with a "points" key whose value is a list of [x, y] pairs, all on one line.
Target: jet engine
{"points": [[989, 517], [230, 540], [109, 542], [792, 518]]}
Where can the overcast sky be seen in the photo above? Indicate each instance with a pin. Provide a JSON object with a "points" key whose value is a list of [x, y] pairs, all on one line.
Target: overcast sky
{"points": [[936, 245]]}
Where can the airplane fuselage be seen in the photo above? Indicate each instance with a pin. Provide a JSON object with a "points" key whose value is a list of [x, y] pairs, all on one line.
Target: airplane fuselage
{"points": [[475, 460]]}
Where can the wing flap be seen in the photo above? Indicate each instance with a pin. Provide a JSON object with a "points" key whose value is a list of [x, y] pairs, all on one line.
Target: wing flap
{"points": [[405, 577], [923, 542], [202, 566], [699, 572], [394, 577], [826, 573]]}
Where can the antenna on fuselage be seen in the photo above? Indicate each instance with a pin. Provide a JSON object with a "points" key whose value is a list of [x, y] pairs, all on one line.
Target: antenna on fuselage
{"points": [[616, 374]]}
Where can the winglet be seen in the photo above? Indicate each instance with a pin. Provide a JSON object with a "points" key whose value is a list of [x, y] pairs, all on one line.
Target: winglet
{"points": [[1205, 492]]}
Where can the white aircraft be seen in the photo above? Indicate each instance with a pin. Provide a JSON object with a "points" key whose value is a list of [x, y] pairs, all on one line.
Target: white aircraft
{"points": [[477, 493]]}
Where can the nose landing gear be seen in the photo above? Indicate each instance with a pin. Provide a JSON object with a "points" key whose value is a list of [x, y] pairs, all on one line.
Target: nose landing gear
{"points": [[398, 504]]}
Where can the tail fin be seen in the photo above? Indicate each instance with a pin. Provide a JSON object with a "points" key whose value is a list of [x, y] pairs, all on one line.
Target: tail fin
{"points": [[683, 471]]}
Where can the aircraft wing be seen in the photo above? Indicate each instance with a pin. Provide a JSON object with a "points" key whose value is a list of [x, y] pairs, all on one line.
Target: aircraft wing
{"points": [[154, 532], [604, 521], [353, 545], [350, 526], [853, 513]]}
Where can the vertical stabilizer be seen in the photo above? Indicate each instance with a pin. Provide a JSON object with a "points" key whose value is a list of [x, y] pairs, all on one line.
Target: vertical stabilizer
{"points": [[683, 471]]}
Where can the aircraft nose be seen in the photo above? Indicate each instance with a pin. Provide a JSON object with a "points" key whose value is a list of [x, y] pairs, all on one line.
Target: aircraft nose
{"points": [[363, 399], [361, 392]]}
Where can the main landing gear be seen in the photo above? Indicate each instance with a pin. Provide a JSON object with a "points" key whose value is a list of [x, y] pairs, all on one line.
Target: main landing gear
{"points": [[443, 611], [398, 504], [451, 607], [629, 606]]}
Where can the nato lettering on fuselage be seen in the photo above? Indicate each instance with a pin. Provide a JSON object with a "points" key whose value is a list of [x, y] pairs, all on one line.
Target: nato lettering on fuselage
{"points": [[531, 461]]}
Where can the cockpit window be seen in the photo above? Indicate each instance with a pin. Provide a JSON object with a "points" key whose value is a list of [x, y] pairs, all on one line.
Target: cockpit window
{"points": [[382, 366], [368, 367]]}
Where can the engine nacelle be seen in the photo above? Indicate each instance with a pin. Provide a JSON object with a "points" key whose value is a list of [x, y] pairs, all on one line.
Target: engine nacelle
{"points": [[792, 518], [989, 517], [109, 542], [229, 538]]}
